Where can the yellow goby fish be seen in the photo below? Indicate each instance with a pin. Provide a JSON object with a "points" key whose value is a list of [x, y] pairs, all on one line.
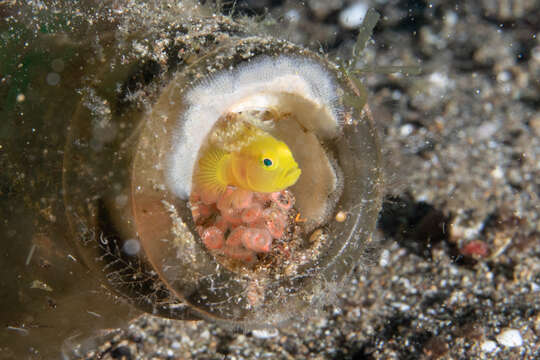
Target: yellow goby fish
{"points": [[242, 155]]}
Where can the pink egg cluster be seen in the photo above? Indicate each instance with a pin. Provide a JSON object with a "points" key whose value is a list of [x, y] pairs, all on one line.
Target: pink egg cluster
{"points": [[241, 223]]}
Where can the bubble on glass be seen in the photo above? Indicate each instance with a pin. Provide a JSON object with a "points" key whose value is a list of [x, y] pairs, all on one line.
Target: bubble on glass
{"points": [[57, 65], [132, 247], [53, 78], [121, 200]]}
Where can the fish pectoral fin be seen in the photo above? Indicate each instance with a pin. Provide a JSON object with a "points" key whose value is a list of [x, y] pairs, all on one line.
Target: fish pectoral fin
{"points": [[209, 176]]}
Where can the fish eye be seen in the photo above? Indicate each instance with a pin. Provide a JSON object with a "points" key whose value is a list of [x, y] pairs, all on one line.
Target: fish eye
{"points": [[267, 162]]}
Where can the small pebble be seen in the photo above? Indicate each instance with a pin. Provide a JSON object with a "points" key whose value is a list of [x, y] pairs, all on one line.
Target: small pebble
{"points": [[510, 338], [488, 346], [497, 173], [534, 124], [385, 258], [401, 306], [406, 130], [486, 130]]}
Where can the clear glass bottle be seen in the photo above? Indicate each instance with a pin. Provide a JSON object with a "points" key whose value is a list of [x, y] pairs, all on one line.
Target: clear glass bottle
{"points": [[95, 231]]}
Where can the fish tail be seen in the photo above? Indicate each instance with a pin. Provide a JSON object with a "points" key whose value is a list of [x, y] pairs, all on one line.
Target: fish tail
{"points": [[209, 177]]}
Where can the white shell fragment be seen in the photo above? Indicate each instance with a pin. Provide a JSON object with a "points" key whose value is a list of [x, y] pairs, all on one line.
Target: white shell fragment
{"points": [[265, 333], [510, 338], [289, 84]]}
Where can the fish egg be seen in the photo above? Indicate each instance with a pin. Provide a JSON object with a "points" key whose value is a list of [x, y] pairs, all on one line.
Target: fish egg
{"points": [[341, 216]]}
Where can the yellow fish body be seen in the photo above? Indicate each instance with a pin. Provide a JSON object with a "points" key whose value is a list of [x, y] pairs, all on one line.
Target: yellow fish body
{"points": [[242, 155]]}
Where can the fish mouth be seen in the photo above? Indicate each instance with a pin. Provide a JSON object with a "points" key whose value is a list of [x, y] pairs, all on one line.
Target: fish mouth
{"points": [[292, 175]]}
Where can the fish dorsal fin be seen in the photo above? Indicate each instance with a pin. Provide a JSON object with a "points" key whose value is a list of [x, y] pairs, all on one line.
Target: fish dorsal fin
{"points": [[211, 172]]}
